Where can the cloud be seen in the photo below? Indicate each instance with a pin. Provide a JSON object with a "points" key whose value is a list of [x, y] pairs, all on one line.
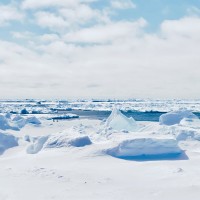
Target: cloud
{"points": [[9, 13], [22, 35], [38, 4], [70, 18], [120, 4], [51, 21], [74, 50], [184, 27], [49, 37], [106, 33]]}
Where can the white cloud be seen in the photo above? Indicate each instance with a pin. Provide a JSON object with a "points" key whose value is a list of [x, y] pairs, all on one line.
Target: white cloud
{"points": [[22, 35], [9, 13], [185, 27], [122, 4], [102, 59], [49, 37], [80, 14], [109, 32], [36, 4], [70, 18], [50, 20]]}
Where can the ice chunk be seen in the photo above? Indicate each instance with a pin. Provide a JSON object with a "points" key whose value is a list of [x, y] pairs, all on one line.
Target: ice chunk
{"points": [[19, 121], [17, 118], [190, 122], [175, 117], [63, 140], [185, 135], [4, 124], [33, 120], [8, 115], [24, 111], [141, 147], [119, 122], [7, 141], [37, 145]]}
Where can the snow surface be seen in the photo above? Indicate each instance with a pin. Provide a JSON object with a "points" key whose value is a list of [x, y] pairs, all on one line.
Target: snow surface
{"points": [[84, 159]]}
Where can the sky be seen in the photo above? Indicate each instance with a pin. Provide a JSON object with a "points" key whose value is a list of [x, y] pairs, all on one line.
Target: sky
{"points": [[100, 49]]}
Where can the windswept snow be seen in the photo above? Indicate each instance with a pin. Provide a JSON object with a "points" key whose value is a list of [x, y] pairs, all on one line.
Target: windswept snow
{"points": [[119, 122]]}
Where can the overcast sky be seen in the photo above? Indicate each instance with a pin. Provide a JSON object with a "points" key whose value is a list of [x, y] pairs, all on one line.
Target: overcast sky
{"points": [[99, 49]]}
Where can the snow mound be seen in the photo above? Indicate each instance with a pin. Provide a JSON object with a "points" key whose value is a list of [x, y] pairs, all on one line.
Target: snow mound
{"points": [[175, 117], [119, 122], [37, 145], [33, 120], [145, 147], [63, 140], [7, 141]]}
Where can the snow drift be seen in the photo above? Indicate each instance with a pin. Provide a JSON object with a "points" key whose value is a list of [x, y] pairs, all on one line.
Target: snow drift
{"points": [[119, 122], [145, 147], [175, 117], [7, 141]]}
